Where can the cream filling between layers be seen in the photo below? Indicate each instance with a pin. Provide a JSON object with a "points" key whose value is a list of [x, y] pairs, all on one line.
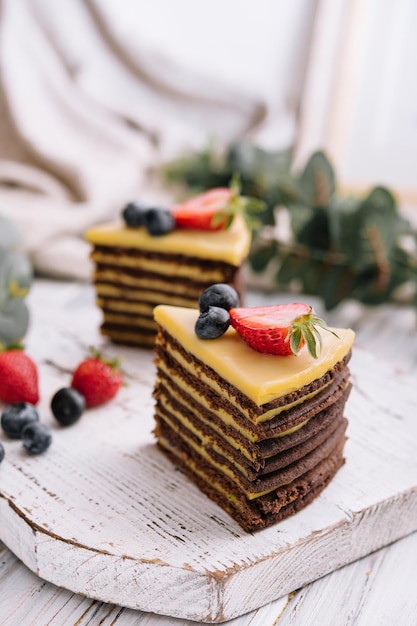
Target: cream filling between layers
{"points": [[252, 494], [194, 370], [231, 245], [234, 443], [262, 377], [219, 467], [159, 266], [125, 285], [226, 417], [249, 495], [196, 470], [129, 320], [137, 337], [149, 300], [206, 440]]}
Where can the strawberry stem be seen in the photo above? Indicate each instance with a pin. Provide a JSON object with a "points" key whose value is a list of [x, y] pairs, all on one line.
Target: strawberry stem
{"points": [[240, 205], [114, 363], [306, 327], [15, 345]]}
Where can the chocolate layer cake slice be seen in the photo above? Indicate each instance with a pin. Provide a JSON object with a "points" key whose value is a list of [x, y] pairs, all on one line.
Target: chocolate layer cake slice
{"points": [[134, 271], [261, 435]]}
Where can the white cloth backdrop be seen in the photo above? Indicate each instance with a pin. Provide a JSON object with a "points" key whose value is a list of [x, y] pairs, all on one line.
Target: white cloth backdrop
{"points": [[96, 93]]}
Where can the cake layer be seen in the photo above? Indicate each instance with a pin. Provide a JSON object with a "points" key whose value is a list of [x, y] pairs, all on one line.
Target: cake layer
{"points": [[119, 283], [261, 377], [142, 337], [220, 467], [127, 321], [151, 264], [229, 458], [231, 245], [266, 510], [262, 457]]}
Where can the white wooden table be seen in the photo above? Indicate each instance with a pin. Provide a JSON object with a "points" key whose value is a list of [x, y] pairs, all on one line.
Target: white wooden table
{"points": [[379, 589]]}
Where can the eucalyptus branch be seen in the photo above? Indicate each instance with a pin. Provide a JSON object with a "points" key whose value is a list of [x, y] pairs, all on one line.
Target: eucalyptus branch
{"points": [[340, 247]]}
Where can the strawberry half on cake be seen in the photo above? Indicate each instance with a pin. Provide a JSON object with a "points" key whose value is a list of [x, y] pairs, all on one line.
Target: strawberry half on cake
{"points": [[157, 255], [250, 403]]}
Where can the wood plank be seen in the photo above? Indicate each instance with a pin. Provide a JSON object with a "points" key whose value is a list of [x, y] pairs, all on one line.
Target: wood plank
{"points": [[104, 514], [376, 590]]}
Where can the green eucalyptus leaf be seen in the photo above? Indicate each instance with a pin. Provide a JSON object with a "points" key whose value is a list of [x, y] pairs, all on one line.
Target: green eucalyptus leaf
{"points": [[14, 321], [342, 247], [20, 274], [378, 226], [336, 285], [316, 183], [266, 216], [16, 275], [300, 216], [311, 275], [9, 234], [343, 225], [377, 285], [199, 171], [315, 232], [260, 258], [254, 163], [290, 269]]}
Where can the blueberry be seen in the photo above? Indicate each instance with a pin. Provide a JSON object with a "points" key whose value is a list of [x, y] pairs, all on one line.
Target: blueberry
{"points": [[1, 452], [36, 438], [134, 212], [16, 416], [67, 405], [158, 221], [221, 295], [212, 323]]}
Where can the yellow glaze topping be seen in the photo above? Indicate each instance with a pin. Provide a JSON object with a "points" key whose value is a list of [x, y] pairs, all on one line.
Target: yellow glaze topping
{"points": [[262, 377], [231, 245]]}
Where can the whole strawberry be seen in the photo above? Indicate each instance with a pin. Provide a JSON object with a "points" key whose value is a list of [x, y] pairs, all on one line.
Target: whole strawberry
{"points": [[97, 379], [18, 377]]}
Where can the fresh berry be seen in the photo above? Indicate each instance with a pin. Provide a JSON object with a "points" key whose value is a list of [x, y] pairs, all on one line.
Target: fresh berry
{"points": [[207, 211], [1, 452], [18, 377], [281, 329], [16, 416], [221, 295], [212, 323], [216, 209], [158, 221], [67, 405], [97, 380], [133, 213], [36, 438]]}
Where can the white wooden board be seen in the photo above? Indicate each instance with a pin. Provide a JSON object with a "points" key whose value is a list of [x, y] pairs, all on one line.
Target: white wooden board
{"points": [[104, 513]]}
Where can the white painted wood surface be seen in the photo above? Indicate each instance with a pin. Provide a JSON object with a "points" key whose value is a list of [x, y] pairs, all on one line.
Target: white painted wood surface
{"points": [[94, 490]]}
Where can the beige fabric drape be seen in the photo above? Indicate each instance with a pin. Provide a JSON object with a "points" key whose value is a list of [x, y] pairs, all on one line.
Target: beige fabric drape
{"points": [[84, 117]]}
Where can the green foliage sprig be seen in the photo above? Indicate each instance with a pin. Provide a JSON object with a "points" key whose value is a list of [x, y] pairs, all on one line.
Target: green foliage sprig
{"points": [[340, 247], [16, 275]]}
